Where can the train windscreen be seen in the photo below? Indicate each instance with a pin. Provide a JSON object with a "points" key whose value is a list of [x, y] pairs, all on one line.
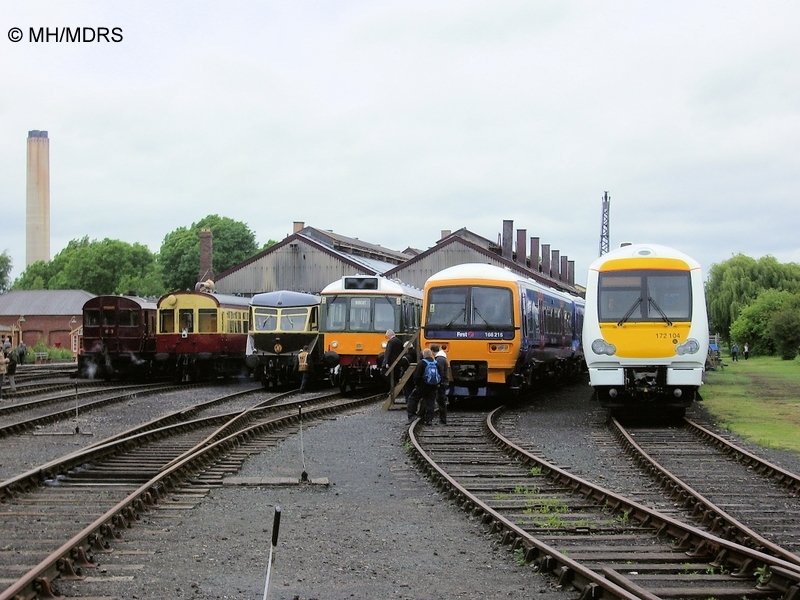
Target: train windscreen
{"points": [[644, 296], [266, 319], [361, 313], [476, 307]]}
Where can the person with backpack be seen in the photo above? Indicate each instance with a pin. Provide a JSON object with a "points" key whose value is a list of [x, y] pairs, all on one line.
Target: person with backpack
{"points": [[440, 357], [426, 383]]}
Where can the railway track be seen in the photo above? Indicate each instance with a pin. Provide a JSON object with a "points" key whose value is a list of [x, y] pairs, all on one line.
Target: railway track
{"points": [[734, 493], [55, 518], [599, 542]]}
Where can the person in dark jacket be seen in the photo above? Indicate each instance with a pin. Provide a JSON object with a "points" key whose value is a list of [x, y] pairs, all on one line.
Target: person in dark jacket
{"points": [[11, 367], [444, 372], [423, 392], [394, 347]]}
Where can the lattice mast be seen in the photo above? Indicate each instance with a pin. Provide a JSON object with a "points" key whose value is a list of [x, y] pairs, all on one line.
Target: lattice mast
{"points": [[605, 225]]}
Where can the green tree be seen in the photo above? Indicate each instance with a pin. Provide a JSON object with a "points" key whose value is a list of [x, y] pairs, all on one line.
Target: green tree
{"points": [[234, 243], [784, 328], [752, 326], [736, 282], [5, 271], [99, 267]]}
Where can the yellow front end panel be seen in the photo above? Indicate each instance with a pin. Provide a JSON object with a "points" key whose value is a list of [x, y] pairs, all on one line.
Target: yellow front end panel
{"points": [[645, 340]]}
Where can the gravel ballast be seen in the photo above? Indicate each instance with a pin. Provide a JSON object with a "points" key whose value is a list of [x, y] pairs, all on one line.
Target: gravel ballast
{"points": [[379, 530]]}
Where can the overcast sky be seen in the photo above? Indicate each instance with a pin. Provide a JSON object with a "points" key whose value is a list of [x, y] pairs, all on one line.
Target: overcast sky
{"points": [[392, 121]]}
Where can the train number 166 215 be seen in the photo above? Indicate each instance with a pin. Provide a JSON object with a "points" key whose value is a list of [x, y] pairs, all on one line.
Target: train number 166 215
{"points": [[670, 336]]}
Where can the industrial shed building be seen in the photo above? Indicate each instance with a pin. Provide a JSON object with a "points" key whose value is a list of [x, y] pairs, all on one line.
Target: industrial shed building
{"points": [[464, 246], [307, 261], [311, 258]]}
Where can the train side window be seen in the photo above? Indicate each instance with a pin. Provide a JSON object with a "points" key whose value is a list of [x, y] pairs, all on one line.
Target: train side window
{"points": [[91, 318], [186, 320], [313, 324], [167, 318], [207, 320]]}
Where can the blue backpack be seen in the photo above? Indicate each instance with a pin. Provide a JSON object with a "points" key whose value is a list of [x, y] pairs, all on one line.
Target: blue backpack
{"points": [[431, 376]]}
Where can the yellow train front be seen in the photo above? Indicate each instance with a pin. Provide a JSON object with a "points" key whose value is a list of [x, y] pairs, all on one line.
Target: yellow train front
{"points": [[646, 328], [356, 313], [202, 335], [502, 332]]}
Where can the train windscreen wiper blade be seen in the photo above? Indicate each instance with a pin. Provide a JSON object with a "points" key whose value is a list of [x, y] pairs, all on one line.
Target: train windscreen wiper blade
{"points": [[461, 312], [630, 312], [661, 312]]}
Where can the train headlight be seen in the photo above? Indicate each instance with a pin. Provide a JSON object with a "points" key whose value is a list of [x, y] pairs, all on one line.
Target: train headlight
{"points": [[603, 347], [383, 345], [334, 344], [690, 346]]}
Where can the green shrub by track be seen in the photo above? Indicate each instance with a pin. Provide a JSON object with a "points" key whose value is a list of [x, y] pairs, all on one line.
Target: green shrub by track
{"points": [[758, 399]]}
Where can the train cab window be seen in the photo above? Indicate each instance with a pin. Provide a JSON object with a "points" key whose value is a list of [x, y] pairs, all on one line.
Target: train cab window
{"points": [[360, 313], [447, 306], [207, 320], [128, 318], [186, 320], [313, 324], [644, 296], [167, 321], [335, 314], [385, 315], [491, 306], [294, 319], [91, 318], [109, 317], [266, 319]]}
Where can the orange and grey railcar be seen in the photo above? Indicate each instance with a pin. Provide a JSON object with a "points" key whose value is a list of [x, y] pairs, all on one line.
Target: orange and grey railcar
{"points": [[356, 313], [119, 337], [202, 335], [502, 332]]}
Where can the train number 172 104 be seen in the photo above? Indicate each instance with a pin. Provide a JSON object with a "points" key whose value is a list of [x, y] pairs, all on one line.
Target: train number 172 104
{"points": [[670, 336]]}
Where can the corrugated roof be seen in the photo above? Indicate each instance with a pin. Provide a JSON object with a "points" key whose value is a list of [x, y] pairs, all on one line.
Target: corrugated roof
{"points": [[43, 302]]}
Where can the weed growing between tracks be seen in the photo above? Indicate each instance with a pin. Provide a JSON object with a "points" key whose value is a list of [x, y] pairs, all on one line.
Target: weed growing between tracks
{"points": [[758, 399]]}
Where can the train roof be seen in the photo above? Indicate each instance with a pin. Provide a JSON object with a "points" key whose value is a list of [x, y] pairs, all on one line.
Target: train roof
{"points": [[644, 251], [476, 271], [99, 301], [284, 298], [371, 284], [490, 272], [219, 299]]}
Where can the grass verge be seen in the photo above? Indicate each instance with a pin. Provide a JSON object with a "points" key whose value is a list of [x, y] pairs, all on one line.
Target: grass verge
{"points": [[758, 399]]}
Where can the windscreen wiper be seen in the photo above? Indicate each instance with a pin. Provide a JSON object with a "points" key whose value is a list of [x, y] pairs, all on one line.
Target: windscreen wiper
{"points": [[461, 312], [661, 312], [630, 312]]}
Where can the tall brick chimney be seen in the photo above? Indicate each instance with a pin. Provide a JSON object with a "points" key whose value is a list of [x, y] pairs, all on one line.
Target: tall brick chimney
{"points": [[206, 255], [37, 199]]}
